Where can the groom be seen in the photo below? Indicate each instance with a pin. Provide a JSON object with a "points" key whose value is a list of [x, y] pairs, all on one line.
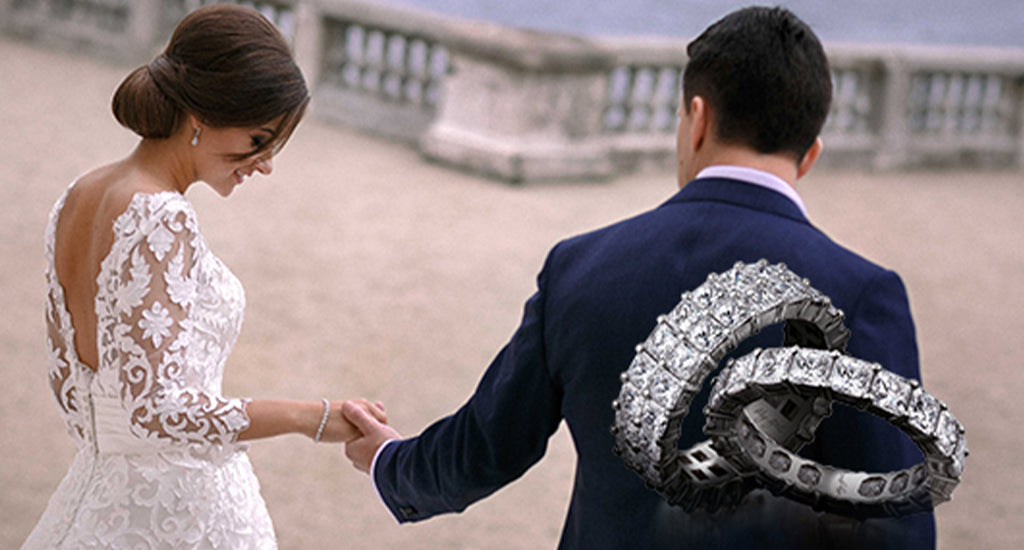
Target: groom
{"points": [[756, 92]]}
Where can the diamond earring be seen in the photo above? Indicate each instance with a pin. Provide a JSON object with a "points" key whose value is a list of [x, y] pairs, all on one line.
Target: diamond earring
{"points": [[195, 137]]}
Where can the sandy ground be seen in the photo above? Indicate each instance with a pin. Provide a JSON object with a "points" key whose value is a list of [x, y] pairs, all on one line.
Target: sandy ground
{"points": [[372, 273]]}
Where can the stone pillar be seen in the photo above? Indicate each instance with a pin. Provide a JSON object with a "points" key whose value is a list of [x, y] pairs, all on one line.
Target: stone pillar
{"points": [[1019, 116], [307, 41], [145, 29], [893, 132], [521, 105], [5, 14]]}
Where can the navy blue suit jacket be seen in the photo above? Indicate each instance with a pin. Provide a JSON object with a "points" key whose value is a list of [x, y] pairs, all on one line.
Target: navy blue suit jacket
{"points": [[598, 296]]}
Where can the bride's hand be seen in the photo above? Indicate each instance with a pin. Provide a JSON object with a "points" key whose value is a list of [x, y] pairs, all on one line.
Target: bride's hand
{"points": [[337, 429], [375, 433]]}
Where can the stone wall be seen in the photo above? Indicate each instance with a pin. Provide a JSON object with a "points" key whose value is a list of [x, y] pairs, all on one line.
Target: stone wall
{"points": [[521, 105]]}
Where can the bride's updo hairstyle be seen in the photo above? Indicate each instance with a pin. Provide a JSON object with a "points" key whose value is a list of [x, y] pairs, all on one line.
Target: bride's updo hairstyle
{"points": [[227, 65]]}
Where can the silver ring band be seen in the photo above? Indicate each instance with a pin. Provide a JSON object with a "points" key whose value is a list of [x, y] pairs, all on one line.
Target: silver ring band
{"points": [[746, 441], [685, 346]]}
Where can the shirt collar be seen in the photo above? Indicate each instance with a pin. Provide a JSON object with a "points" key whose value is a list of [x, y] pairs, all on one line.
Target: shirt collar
{"points": [[755, 177]]}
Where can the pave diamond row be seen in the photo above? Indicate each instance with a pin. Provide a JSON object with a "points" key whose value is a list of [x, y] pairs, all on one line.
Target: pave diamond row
{"points": [[685, 346], [830, 375]]}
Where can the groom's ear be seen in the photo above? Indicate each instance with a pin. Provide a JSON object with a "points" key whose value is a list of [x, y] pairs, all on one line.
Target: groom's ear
{"points": [[700, 122], [810, 157]]}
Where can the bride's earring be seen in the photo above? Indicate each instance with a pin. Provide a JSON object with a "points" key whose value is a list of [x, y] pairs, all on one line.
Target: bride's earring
{"points": [[195, 137]]}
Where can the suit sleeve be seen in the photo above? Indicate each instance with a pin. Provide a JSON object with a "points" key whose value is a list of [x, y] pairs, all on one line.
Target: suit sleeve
{"points": [[883, 332], [500, 432]]}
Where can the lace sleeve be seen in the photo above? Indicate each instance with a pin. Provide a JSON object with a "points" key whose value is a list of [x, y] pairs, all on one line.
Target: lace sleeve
{"points": [[167, 360]]}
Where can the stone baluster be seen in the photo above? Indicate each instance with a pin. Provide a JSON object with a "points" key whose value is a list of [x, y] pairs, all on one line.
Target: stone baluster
{"points": [[521, 105]]}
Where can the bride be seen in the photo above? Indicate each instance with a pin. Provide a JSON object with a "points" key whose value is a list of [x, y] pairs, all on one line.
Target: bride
{"points": [[141, 315]]}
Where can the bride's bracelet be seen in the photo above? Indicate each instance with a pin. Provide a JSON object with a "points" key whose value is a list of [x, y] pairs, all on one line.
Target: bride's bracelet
{"points": [[323, 421]]}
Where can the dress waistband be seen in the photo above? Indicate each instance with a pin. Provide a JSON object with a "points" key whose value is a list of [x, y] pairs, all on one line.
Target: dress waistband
{"points": [[114, 436], [113, 429]]}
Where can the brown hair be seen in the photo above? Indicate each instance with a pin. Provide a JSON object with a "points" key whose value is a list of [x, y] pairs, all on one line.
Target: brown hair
{"points": [[226, 64], [766, 77]]}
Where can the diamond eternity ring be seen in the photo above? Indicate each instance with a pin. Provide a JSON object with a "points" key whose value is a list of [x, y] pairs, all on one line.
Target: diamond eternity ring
{"points": [[745, 440], [685, 346]]}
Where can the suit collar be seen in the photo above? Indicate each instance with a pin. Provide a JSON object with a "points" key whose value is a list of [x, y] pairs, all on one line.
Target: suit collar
{"points": [[738, 193]]}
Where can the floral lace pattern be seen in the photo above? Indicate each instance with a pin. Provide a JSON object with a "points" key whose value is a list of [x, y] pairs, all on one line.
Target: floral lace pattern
{"points": [[158, 463]]}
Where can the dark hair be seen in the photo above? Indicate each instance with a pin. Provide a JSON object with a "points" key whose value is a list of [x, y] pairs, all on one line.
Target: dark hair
{"points": [[765, 76], [226, 64]]}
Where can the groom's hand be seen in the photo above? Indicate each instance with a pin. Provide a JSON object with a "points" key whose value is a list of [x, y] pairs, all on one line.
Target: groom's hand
{"points": [[374, 433]]}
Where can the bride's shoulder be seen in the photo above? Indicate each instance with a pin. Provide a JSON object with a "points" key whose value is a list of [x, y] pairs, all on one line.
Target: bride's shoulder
{"points": [[116, 192]]}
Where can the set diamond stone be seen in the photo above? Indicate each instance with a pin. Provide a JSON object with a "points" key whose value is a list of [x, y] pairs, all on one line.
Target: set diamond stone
{"points": [[766, 405]]}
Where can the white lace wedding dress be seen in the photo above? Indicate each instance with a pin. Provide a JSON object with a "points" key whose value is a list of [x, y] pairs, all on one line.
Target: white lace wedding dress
{"points": [[158, 462]]}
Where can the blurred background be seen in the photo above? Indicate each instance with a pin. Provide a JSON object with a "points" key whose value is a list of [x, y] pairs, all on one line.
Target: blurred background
{"points": [[987, 22], [389, 255]]}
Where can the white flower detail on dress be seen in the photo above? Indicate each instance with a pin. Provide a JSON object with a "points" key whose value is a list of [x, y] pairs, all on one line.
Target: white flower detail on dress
{"points": [[160, 241], [180, 287], [60, 382], [131, 293], [156, 324]]}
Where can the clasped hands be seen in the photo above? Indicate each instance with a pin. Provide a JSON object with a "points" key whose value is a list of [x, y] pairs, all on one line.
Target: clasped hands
{"points": [[371, 430]]}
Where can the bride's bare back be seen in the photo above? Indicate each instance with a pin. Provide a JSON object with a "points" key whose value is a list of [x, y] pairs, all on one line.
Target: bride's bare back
{"points": [[84, 236]]}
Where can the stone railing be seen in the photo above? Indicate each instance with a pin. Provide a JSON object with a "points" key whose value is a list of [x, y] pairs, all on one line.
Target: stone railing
{"points": [[127, 31], [904, 106], [115, 29], [380, 70], [523, 105]]}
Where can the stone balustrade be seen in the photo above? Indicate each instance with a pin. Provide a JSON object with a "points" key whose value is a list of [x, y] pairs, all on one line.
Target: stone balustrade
{"points": [[521, 105]]}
